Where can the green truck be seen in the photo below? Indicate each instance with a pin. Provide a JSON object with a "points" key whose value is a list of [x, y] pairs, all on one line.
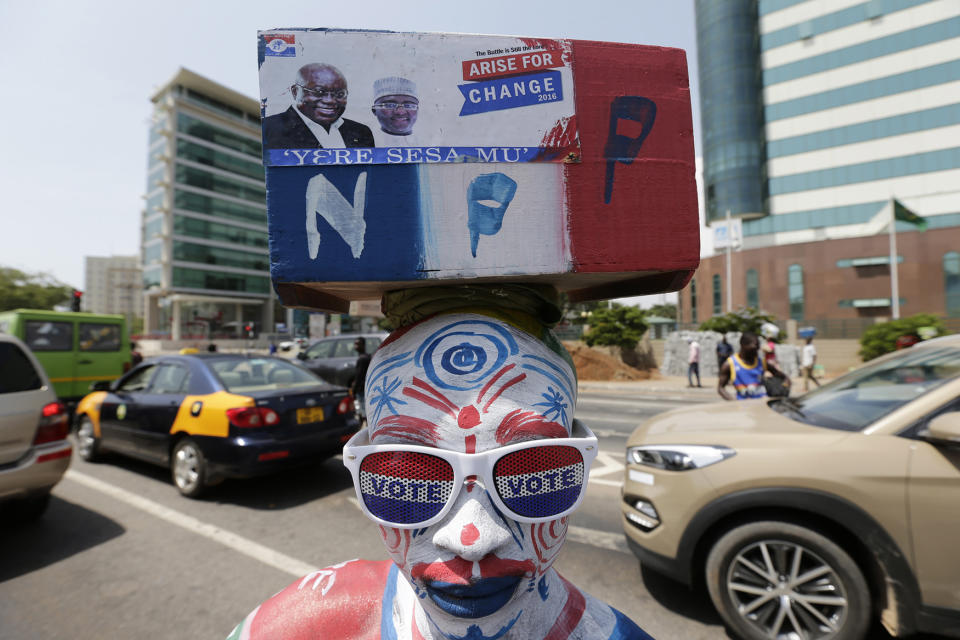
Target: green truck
{"points": [[76, 349]]}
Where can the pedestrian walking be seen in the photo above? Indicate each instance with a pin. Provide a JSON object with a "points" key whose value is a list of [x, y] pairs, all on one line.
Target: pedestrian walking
{"points": [[724, 351], [693, 360], [807, 361]]}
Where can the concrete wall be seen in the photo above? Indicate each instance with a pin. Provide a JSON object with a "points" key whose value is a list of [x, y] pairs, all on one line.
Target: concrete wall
{"points": [[836, 356]]}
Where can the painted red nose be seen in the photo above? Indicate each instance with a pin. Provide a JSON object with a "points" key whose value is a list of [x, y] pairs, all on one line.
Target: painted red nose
{"points": [[469, 535]]}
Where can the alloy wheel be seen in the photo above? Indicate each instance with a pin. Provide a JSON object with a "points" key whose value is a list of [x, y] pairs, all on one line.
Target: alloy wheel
{"points": [[786, 591]]}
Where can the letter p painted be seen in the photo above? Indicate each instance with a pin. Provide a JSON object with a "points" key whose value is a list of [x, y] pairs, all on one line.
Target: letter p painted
{"points": [[620, 148]]}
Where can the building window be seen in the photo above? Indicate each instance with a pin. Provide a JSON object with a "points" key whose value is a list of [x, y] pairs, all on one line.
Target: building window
{"points": [[951, 282], [693, 301], [753, 289], [795, 291], [717, 295]]}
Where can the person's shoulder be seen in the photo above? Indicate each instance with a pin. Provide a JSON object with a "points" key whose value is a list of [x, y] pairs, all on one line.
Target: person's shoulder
{"points": [[600, 620], [359, 126], [341, 601]]}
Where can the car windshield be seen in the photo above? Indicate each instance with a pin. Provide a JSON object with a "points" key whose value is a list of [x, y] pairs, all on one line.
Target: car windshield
{"points": [[260, 374], [856, 400]]}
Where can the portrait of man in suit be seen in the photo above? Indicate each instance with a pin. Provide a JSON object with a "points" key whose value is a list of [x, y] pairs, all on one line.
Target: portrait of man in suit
{"points": [[315, 120]]}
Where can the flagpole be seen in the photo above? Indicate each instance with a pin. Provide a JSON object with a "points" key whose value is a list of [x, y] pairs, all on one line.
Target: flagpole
{"points": [[729, 268], [894, 281]]}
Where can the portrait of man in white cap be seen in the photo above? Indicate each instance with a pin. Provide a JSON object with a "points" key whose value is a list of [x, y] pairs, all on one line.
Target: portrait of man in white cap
{"points": [[396, 106]]}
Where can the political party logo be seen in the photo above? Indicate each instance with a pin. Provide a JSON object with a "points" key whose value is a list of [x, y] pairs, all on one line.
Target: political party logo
{"points": [[121, 412], [280, 44], [511, 81]]}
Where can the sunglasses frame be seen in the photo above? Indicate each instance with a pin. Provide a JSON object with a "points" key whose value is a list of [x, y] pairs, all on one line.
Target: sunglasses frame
{"points": [[469, 464]]}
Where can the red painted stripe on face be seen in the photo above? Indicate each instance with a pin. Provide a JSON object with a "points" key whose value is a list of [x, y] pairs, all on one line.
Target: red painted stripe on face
{"points": [[526, 425], [408, 428], [417, 382], [436, 404], [493, 380], [571, 614], [470, 444], [459, 571], [506, 386]]}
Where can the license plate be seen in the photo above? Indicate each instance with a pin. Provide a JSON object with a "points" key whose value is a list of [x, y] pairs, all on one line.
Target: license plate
{"points": [[309, 414]]}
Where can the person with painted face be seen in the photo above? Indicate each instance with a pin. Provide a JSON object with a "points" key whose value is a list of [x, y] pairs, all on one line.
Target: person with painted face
{"points": [[396, 106], [470, 467], [315, 120]]}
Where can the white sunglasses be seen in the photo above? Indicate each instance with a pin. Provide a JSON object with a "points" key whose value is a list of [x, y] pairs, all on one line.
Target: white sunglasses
{"points": [[413, 486]]}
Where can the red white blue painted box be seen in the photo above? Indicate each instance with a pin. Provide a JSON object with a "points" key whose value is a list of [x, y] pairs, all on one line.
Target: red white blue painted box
{"points": [[408, 159]]}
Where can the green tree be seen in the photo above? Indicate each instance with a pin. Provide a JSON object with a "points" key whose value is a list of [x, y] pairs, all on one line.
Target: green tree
{"points": [[882, 337], [20, 290], [617, 326], [744, 319], [668, 310]]}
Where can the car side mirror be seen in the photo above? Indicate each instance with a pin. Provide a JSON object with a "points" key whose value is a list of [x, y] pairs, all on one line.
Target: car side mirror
{"points": [[100, 385], [302, 355], [945, 428]]}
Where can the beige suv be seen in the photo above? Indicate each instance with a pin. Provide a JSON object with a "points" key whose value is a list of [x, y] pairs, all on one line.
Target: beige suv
{"points": [[812, 517]]}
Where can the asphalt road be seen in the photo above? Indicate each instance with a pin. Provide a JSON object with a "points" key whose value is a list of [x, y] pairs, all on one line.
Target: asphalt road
{"points": [[120, 554]]}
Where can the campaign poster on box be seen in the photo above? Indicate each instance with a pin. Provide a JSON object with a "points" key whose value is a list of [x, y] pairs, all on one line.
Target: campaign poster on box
{"points": [[333, 97]]}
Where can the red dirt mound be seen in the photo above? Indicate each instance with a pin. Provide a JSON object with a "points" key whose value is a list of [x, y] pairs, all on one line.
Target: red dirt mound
{"points": [[594, 365]]}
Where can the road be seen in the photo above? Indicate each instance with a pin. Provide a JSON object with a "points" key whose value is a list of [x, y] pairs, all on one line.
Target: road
{"points": [[120, 554]]}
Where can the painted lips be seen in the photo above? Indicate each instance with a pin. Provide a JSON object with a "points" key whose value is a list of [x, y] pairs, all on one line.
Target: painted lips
{"points": [[475, 600], [452, 586]]}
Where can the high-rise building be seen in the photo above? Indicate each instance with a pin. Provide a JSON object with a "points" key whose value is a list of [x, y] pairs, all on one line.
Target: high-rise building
{"points": [[816, 115], [204, 230], [113, 285]]}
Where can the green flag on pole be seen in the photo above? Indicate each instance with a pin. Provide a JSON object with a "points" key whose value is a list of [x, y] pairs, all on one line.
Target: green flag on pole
{"points": [[903, 214]]}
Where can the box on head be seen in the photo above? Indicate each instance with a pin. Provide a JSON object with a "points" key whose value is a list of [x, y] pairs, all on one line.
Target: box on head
{"points": [[399, 160]]}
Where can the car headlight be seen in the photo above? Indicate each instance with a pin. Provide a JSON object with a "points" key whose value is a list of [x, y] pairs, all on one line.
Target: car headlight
{"points": [[681, 457]]}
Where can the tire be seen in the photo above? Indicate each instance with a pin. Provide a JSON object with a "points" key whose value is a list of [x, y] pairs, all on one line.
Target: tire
{"points": [[750, 573], [188, 468], [88, 444]]}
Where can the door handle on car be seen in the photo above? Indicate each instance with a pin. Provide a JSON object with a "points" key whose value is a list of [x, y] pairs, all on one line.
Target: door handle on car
{"points": [[84, 361]]}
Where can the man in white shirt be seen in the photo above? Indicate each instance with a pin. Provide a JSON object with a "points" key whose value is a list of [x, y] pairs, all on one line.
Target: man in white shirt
{"points": [[315, 120], [807, 359], [694, 361], [396, 106]]}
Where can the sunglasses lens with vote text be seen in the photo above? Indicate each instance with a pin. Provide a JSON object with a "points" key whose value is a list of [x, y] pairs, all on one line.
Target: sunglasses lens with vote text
{"points": [[540, 482], [405, 487]]}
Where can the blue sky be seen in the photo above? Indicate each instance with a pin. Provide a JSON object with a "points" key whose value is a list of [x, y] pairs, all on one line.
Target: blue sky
{"points": [[78, 74]]}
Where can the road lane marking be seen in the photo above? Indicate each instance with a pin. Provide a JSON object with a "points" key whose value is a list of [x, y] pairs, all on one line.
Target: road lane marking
{"points": [[586, 416], [247, 547], [599, 539]]}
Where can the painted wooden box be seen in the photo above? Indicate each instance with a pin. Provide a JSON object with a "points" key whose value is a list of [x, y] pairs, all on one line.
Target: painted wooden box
{"points": [[408, 159]]}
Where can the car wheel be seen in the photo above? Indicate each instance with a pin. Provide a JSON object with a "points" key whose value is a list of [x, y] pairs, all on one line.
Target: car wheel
{"points": [[778, 581], [88, 444], [188, 468]]}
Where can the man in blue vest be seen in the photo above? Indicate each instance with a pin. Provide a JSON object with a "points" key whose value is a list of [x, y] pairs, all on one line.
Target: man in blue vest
{"points": [[745, 370]]}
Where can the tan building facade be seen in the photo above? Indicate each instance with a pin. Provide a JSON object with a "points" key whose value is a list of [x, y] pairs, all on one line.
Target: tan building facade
{"points": [[112, 284], [833, 280]]}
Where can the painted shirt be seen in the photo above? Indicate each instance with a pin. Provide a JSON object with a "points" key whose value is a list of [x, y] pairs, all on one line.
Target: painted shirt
{"points": [[747, 380], [366, 600]]}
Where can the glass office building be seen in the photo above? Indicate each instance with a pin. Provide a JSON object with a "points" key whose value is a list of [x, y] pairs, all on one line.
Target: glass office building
{"points": [[860, 104], [204, 228]]}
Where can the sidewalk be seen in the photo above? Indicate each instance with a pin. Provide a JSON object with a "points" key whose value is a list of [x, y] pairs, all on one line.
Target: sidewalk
{"points": [[664, 387]]}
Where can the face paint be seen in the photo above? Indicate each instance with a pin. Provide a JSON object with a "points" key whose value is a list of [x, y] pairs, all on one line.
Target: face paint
{"points": [[471, 384]]}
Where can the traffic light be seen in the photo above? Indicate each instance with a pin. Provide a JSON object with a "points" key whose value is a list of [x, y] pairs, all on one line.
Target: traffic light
{"points": [[249, 329], [75, 302]]}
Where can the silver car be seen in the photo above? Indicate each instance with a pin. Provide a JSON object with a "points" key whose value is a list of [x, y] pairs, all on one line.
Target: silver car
{"points": [[34, 425]]}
